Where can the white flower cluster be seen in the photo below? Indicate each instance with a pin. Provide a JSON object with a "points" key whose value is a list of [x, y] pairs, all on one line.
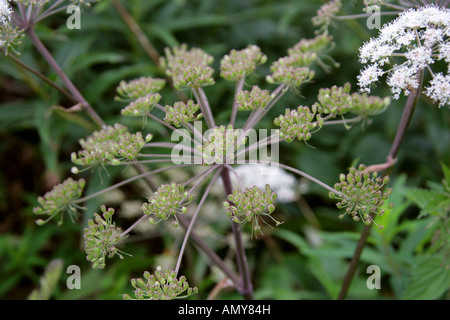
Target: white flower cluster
{"points": [[283, 183], [420, 38], [5, 12]]}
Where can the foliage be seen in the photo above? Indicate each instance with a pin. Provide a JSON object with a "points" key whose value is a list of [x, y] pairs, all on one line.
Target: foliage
{"points": [[304, 258]]}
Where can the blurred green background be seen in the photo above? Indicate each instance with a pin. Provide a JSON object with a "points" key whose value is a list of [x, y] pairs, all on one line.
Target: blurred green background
{"points": [[305, 258]]}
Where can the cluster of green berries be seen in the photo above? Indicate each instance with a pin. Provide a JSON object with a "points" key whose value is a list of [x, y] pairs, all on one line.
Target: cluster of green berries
{"points": [[140, 87], [182, 113], [294, 69], [110, 145], [337, 101], [161, 285], [298, 124], [361, 194], [252, 100], [221, 144], [59, 200], [142, 106], [100, 238], [188, 68], [167, 201], [240, 63], [251, 205]]}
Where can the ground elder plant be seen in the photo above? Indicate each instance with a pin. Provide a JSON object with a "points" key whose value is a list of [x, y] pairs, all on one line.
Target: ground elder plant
{"points": [[418, 35]]}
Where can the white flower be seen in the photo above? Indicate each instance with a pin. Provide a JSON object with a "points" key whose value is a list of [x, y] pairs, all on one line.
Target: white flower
{"points": [[369, 75], [5, 12], [411, 43], [419, 57], [283, 183], [402, 78], [439, 89]]}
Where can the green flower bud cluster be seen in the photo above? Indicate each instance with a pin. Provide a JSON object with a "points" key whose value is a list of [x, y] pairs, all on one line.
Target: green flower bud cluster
{"points": [[100, 238], [188, 68], [140, 87], [221, 144], [60, 199], [182, 113], [160, 286], [255, 99], [334, 101], [297, 124], [326, 14], [291, 76], [251, 205], [293, 69], [338, 101], [141, 106], [11, 37], [295, 59], [366, 106], [111, 145], [240, 63], [315, 45], [361, 194], [167, 201]]}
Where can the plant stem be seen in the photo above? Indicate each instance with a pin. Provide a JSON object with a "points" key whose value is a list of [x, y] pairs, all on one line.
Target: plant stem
{"points": [[204, 106], [41, 76], [405, 121], [239, 86], [70, 86], [210, 253], [129, 180], [192, 222], [246, 287]]}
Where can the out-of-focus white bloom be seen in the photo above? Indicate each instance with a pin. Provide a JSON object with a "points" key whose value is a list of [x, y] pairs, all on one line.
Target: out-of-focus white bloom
{"points": [[368, 75], [439, 89], [283, 183], [419, 37], [5, 12]]}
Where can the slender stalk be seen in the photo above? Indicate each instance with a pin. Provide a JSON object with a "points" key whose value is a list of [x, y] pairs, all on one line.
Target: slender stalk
{"points": [[210, 253], [405, 121], [303, 174], [48, 13], [365, 15], [41, 76], [204, 106], [256, 116], [142, 218], [344, 122], [192, 222], [246, 287], [202, 176], [129, 180], [68, 83], [239, 86]]}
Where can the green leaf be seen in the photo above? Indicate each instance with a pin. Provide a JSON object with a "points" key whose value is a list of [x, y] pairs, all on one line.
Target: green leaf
{"points": [[430, 278], [431, 202]]}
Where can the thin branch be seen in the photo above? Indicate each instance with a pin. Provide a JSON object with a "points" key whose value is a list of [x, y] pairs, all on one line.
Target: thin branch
{"points": [[192, 222], [246, 287], [405, 121], [69, 84], [41, 76]]}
